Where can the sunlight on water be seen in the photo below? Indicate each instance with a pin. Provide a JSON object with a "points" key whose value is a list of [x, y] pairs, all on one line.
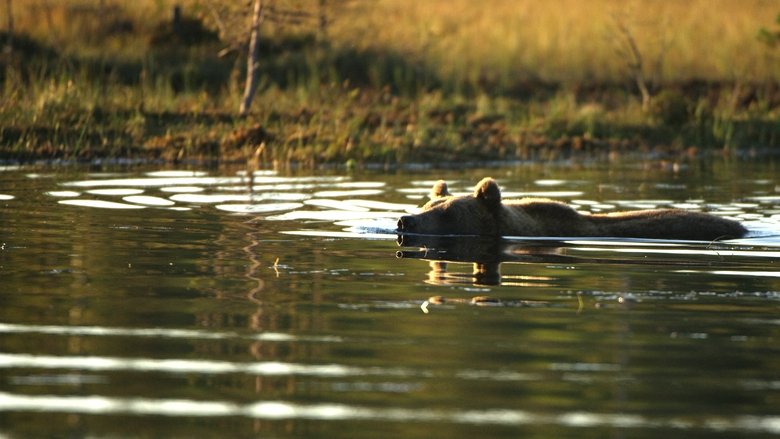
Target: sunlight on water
{"points": [[187, 187], [187, 366], [686, 206], [176, 174], [115, 191], [641, 205], [100, 204], [549, 182], [258, 208], [335, 204], [196, 198], [766, 198], [624, 243], [381, 205], [419, 191], [332, 215], [348, 193], [385, 225], [156, 182], [346, 234], [594, 206], [148, 200], [492, 375], [683, 251], [735, 272], [274, 305], [333, 412], [541, 194], [298, 187], [182, 189], [156, 332], [360, 184]]}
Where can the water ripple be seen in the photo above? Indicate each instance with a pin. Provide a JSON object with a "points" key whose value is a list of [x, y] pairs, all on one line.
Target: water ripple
{"points": [[207, 367], [11, 328], [100, 204], [679, 251], [279, 410]]}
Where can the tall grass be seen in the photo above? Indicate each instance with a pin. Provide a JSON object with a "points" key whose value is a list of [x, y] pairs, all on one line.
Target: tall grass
{"points": [[557, 40], [397, 80], [569, 40]]}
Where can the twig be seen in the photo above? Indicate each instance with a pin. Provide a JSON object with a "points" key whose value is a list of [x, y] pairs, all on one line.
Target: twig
{"points": [[635, 65]]}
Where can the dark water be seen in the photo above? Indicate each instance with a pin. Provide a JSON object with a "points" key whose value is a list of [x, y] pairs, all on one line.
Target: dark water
{"points": [[286, 312]]}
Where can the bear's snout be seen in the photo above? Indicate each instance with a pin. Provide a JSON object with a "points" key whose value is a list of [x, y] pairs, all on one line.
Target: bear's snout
{"points": [[405, 223]]}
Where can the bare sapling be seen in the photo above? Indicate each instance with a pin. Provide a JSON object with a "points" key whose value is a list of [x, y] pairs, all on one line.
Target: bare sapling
{"points": [[628, 48], [253, 61]]}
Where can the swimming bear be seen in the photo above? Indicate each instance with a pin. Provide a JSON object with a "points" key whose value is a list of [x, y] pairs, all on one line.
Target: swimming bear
{"points": [[485, 213]]}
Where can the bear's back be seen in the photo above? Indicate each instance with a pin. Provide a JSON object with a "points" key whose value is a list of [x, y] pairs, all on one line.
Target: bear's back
{"points": [[544, 217]]}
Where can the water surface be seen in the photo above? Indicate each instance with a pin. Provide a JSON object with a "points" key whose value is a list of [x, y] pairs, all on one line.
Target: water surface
{"points": [[148, 302]]}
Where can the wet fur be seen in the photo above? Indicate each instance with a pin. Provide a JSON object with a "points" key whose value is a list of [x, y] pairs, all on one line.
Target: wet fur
{"points": [[484, 213]]}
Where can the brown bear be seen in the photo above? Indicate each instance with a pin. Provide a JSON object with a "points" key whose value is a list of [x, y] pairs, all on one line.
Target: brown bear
{"points": [[484, 213]]}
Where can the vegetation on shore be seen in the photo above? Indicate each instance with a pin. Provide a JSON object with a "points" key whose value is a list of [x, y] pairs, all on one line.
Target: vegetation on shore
{"points": [[389, 81]]}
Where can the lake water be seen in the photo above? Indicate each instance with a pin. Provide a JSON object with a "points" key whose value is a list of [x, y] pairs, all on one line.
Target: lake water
{"points": [[178, 303]]}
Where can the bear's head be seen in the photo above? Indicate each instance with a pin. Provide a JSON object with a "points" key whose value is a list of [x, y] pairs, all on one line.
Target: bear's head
{"points": [[475, 214]]}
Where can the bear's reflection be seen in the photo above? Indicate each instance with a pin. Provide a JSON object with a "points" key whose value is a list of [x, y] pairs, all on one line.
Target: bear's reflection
{"points": [[486, 255]]}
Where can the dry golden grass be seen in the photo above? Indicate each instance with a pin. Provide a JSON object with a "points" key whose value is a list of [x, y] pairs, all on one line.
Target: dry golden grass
{"points": [[570, 40], [499, 40]]}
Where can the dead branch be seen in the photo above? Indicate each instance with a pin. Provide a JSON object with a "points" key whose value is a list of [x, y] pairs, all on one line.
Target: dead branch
{"points": [[253, 61], [635, 62]]}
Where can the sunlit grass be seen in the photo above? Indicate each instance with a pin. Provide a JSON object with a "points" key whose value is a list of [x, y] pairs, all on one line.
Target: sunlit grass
{"points": [[397, 80], [570, 40]]}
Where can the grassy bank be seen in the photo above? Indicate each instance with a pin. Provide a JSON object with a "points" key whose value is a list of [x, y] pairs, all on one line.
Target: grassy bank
{"points": [[391, 81]]}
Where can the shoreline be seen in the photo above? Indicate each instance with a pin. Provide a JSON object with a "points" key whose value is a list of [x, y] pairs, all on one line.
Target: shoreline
{"points": [[85, 88], [345, 124], [663, 160]]}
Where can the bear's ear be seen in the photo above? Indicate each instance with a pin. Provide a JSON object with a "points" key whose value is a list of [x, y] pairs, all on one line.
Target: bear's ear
{"points": [[439, 190], [488, 192]]}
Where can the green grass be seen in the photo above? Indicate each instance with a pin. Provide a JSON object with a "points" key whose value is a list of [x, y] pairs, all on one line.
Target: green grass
{"points": [[478, 82]]}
